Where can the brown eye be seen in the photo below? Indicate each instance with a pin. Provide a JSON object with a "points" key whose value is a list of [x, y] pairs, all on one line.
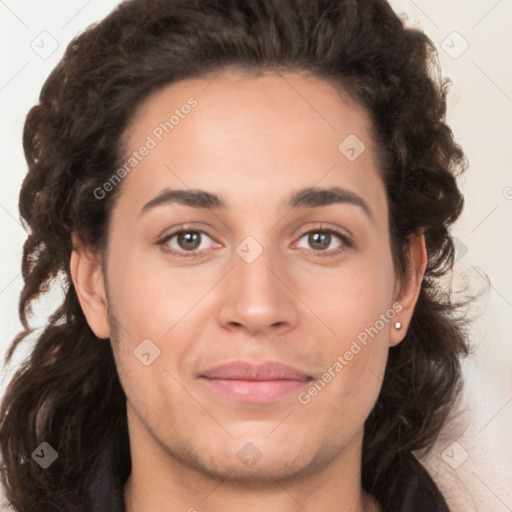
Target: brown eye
{"points": [[189, 240], [319, 240], [186, 242], [322, 241]]}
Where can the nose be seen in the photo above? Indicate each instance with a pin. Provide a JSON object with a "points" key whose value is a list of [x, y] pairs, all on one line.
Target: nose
{"points": [[259, 296]]}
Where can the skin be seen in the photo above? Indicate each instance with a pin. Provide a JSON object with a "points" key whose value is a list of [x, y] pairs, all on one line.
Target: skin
{"points": [[254, 141]]}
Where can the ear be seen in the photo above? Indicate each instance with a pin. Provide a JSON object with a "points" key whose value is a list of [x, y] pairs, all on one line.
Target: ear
{"points": [[408, 288], [88, 280]]}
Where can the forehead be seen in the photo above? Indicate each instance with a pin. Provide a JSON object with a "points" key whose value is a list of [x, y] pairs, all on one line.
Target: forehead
{"points": [[271, 131]]}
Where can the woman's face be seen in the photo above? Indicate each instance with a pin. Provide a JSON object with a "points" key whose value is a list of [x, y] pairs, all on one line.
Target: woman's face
{"points": [[273, 276]]}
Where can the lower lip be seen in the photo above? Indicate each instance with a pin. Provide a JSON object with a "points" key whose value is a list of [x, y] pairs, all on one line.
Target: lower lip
{"points": [[256, 391]]}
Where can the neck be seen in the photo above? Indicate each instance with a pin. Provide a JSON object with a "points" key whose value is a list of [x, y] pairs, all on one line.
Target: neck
{"points": [[228, 498], [159, 482]]}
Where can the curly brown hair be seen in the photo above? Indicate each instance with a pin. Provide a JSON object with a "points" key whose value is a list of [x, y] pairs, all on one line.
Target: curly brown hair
{"points": [[68, 392]]}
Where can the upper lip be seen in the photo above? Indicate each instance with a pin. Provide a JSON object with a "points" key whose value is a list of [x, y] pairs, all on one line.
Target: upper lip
{"points": [[242, 370]]}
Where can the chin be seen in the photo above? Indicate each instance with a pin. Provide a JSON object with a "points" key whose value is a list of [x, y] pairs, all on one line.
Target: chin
{"points": [[259, 460]]}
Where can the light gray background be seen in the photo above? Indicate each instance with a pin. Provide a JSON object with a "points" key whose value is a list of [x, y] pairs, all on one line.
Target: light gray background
{"points": [[471, 462]]}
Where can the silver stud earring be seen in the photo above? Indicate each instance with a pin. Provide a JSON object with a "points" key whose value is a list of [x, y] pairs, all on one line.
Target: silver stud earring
{"points": [[398, 325]]}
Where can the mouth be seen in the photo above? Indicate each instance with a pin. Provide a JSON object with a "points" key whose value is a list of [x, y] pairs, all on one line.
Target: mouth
{"points": [[247, 382]]}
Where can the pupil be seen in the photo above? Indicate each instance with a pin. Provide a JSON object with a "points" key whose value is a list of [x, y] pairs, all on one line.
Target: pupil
{"points": [[323, 238], [191, 238]]}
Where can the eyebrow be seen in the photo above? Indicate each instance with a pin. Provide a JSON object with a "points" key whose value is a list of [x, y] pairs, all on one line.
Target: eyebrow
{"points": [[312, 197]]}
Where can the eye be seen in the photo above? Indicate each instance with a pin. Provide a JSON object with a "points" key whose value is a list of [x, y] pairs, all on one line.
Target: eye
{"points": [[187, 242], [183, 241], [321, 240]]}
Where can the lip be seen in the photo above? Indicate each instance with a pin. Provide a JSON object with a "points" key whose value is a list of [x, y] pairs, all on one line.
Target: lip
{"points": [[255, 383]]}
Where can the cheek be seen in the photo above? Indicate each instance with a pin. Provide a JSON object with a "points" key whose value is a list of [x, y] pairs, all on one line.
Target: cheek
{"points": [[355, 303], [151, 298], [352, 298], [151, 306], [154, 302]]}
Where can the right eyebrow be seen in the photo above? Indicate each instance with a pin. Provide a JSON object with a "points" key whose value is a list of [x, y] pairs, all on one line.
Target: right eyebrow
{"points": [[193, 198]]}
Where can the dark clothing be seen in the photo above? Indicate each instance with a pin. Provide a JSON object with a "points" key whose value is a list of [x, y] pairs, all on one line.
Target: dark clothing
{"points": [[415, 490]]}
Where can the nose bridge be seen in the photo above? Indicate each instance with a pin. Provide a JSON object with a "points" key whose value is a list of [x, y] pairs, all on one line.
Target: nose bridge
{"points": [[256, 251], [257, 299], [253, 264]]}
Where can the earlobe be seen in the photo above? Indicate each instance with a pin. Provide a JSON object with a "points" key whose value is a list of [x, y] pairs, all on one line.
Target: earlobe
{"points": [[88, 280], [409, 287]]}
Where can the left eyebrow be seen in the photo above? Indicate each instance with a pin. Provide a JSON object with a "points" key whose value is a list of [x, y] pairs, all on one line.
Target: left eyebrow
{"points": [[304, 198], [317, 197]]}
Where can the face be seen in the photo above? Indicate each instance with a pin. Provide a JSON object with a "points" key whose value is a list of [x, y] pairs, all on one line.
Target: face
{"points": [[251, 326]]}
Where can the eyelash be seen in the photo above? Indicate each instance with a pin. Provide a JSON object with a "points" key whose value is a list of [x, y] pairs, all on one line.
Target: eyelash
{"points": [[347, 243]]}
